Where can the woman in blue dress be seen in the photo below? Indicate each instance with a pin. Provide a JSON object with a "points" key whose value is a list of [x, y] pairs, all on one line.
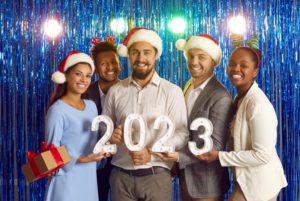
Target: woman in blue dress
{"points": [[68, 123]]}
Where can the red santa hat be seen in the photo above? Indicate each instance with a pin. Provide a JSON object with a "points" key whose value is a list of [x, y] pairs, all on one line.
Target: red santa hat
{"points": [[138, 34], [74, 57], [204, 42]]}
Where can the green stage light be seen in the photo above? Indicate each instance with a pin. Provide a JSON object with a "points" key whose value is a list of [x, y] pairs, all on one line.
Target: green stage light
{"points": [[177, 25]]}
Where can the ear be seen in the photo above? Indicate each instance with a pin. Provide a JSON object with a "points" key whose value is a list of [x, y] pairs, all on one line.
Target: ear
{"points": [[255, 73]]}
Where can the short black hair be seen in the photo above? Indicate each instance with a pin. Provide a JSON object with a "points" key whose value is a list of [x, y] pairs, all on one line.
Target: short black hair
{"points": [[102, 47], [256, 54]]}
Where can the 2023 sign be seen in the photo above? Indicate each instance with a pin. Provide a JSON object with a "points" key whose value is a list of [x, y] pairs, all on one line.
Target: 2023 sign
{"points": [[158, 146]]}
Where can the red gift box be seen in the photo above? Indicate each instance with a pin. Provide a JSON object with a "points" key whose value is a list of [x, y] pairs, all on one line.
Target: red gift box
{"points": [[42, 164]]}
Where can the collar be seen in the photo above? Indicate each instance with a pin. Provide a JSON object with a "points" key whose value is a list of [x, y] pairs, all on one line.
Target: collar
{"points": [[155, 80], [203, 85]]}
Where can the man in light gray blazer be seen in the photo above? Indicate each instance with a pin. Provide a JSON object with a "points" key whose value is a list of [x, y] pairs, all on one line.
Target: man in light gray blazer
{"points": [[205, 97]]}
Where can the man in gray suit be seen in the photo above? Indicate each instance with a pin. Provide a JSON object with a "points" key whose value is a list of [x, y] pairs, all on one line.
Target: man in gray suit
{"points": [[205, 97]]}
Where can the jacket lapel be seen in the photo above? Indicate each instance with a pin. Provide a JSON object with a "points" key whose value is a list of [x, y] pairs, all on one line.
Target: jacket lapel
{"points": [[202, 98]]}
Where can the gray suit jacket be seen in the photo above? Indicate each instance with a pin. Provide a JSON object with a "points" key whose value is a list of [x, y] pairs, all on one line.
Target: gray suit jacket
{"points": [[208, 179]]}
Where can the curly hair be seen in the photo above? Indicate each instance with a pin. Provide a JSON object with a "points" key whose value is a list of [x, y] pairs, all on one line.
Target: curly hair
{"points": [[102, 47]]}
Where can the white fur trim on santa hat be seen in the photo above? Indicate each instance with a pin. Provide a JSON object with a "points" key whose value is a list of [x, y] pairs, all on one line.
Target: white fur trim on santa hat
{"points": [[205, 44], [78, 58], [142, 35]]}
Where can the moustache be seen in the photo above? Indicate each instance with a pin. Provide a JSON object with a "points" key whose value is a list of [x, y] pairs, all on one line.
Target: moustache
{"points": [[138, 62]]}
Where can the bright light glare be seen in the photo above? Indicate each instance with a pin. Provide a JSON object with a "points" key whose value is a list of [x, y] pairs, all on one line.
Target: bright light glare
{"points": [[118, 25], [52, 28], [237, 24], [177, 25]]}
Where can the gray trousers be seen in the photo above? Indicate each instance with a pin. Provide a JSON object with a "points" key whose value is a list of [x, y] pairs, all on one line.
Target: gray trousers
{"points": [[157, 187]]}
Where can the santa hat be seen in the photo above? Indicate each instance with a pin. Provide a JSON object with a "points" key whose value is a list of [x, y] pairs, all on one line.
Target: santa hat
{"points": [[204, 42], [74, 57], [138, 34]]}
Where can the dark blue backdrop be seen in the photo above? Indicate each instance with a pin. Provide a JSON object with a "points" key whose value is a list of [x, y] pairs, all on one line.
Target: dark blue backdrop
{"points": [[28, 59]]}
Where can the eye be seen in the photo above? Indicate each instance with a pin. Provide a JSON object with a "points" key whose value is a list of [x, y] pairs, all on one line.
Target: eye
{"points": [[244, 66], [89, 76], [77, 73], [231, 64], [103, 64]]}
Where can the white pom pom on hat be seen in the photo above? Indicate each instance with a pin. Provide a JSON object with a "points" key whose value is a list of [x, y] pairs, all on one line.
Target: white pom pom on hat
{"points": [[139, 34], [74, 57], [122, 50], [204, 42], [180, 44]]}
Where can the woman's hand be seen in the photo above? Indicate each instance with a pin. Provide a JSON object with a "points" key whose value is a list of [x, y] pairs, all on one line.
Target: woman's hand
{"points": [[93, 157], [210, 156]]}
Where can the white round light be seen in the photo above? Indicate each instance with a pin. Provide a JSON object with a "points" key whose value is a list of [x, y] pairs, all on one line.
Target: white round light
{"points": [[118, 25], [177, 25], [237, 24], [52, 28]]}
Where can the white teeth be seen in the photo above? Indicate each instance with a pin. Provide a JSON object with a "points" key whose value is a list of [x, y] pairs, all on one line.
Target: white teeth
{"points": [[236, 76], [141, 65], [81, 85], [110, 73]]}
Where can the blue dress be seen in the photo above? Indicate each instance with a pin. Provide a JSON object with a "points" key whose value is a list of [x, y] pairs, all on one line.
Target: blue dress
{"points": [[65, 125]]}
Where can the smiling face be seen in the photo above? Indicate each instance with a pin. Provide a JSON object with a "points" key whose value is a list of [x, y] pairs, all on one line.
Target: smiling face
{"points": [[142, 58], [78, 78], [242, 69], [108, 66], [200, 65]]}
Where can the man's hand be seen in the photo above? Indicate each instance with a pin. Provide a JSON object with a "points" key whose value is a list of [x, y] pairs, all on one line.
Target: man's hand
{"points": [[140, 157], [173, 156], [117, 136], [209, 156]]}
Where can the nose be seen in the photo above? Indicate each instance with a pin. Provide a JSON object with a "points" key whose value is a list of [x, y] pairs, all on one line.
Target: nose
{"points": [[194, 61], [83, 78], [110, 66], [140, 57]]}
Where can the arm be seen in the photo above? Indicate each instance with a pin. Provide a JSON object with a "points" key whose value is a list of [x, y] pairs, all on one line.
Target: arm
{"points": [[54, 132], [178, 114], [220, 114], [262, 125]]}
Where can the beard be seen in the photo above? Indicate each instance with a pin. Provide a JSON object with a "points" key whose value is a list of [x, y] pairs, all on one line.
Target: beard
{"points": [[141, 75]]}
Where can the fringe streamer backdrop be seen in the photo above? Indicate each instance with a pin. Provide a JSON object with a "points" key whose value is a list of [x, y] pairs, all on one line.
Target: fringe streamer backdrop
{"points": [[28, 59]]}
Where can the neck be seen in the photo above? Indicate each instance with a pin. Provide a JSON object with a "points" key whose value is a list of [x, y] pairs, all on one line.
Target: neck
{"points": [[74, 100], [72, 97], [242, 91], [143, 82], [104, 86], [198, 81]]}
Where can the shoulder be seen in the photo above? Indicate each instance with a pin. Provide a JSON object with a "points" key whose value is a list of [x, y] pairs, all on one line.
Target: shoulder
{"points": [[257, 102], [56, 110], [219, 89], [122, 84], [90, 105], [57, 106], [169, 87]]}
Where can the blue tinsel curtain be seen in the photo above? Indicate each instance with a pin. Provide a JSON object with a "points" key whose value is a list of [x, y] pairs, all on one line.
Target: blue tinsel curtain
{"points": [[28, 59]]}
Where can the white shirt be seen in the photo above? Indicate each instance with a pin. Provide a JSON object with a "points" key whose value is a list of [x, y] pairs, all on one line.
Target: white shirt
{"points": [[158, 97], [192, 94]]}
